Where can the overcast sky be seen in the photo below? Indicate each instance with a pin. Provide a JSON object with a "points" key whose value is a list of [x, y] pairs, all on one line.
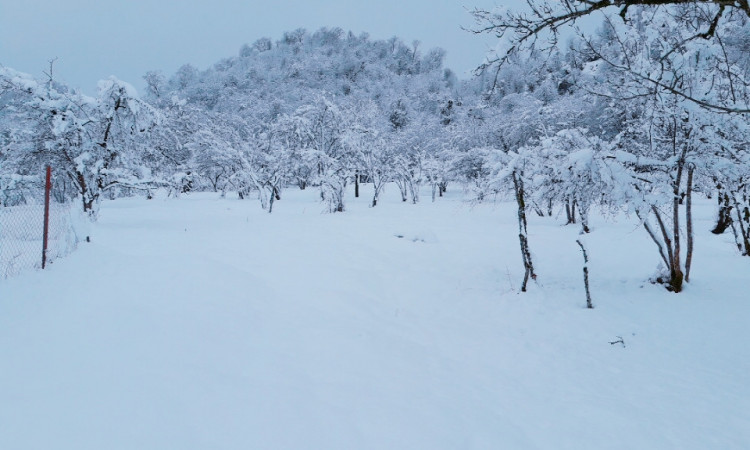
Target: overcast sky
{"points": [[93, 39]]}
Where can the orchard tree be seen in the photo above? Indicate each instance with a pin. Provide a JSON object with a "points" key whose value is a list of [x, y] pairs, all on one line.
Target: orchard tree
{"points": [[516, 128], [293, 134], [673, 135], [575, 170], [324, 122], [120, 126], [366, 138], [48, 128]]}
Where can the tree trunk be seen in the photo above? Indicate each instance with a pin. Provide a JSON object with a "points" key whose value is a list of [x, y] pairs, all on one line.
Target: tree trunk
{"points": [[414, 191], [583, 211], [86, 198], [356, 186], [522, 231], [743, 229], [589, 304], [724, 219], [403, 189], [673, 261], [676, 275], [570, 211], [689, 222]]}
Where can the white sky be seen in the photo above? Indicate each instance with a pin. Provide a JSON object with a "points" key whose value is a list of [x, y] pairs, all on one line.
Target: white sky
{"points": [[94, 39]]}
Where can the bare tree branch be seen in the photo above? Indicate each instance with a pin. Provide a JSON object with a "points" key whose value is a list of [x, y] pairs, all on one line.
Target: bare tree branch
{"points": [[544, 18]]}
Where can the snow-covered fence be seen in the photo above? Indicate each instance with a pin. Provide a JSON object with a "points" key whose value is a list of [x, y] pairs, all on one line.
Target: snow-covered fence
{"points": [[22, 229]]}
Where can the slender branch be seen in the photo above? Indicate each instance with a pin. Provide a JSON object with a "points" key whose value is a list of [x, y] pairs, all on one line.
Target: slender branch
{"points": [[652, 234], [657, 83], [689, 221], [528, 27], [665, 235]]}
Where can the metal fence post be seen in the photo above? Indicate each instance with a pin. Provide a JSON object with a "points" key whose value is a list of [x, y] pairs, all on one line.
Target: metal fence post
{"points": [[47, 189]]}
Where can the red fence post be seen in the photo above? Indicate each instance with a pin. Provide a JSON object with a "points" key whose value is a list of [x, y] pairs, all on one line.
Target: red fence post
{"points": [[47, 189]]}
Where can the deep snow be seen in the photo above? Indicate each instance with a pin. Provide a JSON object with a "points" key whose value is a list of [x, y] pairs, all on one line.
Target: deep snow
{"points": [[199, 323]]}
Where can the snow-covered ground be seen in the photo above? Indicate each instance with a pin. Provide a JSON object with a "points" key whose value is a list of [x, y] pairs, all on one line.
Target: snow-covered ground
{"points": [[205, 323]]}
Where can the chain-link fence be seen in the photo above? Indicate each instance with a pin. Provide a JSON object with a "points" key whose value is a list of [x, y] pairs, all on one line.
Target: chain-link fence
{"points": [[22, 226]]}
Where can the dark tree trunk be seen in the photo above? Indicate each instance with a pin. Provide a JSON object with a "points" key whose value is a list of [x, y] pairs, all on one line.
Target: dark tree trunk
{"points": [[689, 222], [442, 188], [741, 223], [584, 213], [724, 219], [356, 185], [403, 189], [673, 261], [589, 304], [522, 231], [570, 211], [87, 199], [676, 274]]}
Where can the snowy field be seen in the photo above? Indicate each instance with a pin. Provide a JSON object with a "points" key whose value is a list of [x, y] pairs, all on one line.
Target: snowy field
{"points": [[202, 323]]}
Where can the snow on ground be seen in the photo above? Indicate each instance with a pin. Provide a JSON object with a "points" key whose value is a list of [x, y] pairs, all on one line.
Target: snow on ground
{"points": [[205, 323]]}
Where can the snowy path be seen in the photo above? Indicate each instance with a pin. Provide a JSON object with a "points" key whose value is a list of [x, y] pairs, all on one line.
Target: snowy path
{"points": [[202, 323]]}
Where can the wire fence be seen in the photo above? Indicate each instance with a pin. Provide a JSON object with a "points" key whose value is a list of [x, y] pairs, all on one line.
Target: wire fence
{"points": [[22, 227]]}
